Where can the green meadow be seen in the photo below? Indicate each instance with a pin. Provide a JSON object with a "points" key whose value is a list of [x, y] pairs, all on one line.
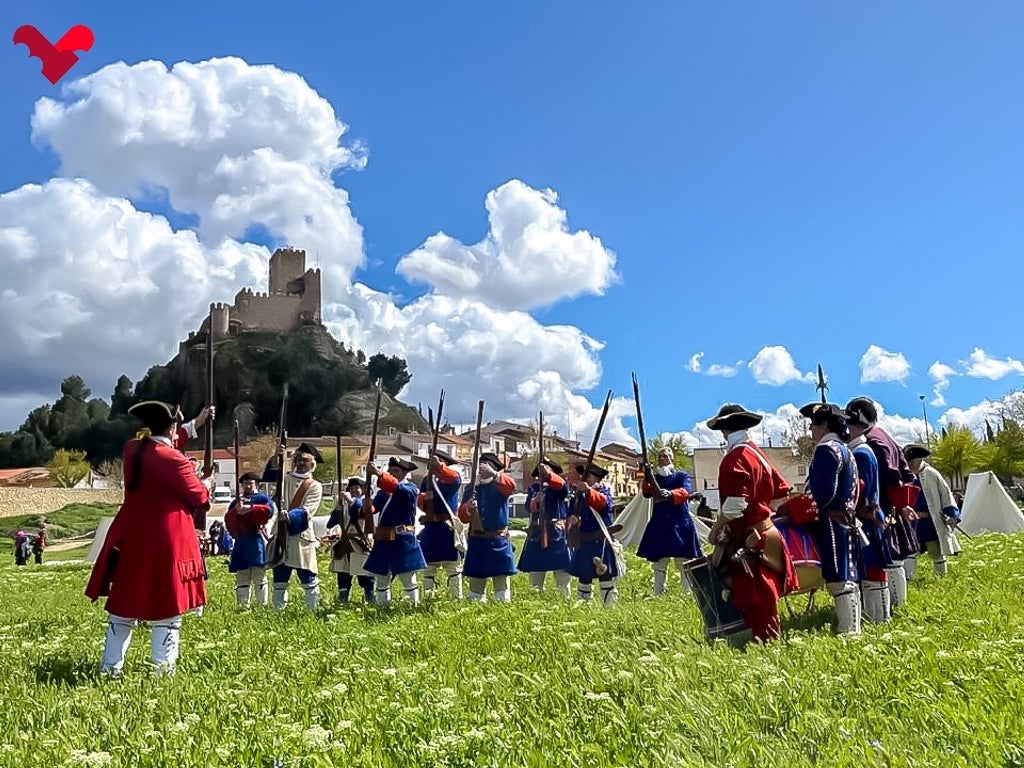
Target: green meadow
{"points": [[539, 682]]}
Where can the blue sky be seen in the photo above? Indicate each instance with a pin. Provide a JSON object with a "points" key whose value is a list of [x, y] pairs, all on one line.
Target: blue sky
{"points": [[811, 176]]}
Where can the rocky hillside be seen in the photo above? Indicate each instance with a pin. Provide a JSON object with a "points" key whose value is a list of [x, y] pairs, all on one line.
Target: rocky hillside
{"points": [[330, 391]]}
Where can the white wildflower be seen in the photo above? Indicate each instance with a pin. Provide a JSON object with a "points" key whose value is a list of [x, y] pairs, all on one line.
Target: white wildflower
{"points": [[316, 737], [91, 759]]}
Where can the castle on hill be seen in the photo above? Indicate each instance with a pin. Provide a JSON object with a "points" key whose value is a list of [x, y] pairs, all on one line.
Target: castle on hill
{"points": [[293, 299]]}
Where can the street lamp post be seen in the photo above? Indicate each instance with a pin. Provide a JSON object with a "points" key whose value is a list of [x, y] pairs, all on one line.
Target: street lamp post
{"points": [[927, 432]]}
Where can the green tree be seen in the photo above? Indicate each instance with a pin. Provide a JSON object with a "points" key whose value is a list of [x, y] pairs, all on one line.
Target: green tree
{"points": [[682, 456], [797, 437], [68, 467], [392, 372], [69, 417], [123, 398], [1006, 452], [957, 453]]}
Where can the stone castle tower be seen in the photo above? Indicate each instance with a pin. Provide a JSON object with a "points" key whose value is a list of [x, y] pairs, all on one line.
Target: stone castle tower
{"points": [[293, 299]]}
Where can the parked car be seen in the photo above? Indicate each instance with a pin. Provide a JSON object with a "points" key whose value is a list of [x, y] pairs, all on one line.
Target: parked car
{"points": [[223, 495]]}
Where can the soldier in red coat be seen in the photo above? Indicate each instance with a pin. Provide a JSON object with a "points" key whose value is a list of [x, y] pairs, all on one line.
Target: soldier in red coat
{"points": [[150, 567], [756, 558]]}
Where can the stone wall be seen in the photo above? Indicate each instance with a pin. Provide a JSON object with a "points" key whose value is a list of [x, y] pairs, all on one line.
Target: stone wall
{"points": [[34, 501]]}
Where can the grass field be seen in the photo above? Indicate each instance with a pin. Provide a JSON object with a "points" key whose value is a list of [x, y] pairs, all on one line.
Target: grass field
{"points": [[535, 683]]}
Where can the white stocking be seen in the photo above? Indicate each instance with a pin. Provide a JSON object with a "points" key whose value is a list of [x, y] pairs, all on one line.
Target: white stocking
{"points": [[164, 641], [660, 576], [115, 646], [412, 591]]}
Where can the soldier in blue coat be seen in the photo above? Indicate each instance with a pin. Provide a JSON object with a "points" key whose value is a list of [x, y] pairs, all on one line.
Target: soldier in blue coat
{"points": [[670, 533], [396, 550], [246, 520], [485, 510], [546, 549], [593, 556], [833, 482], [439, 500], [875, 556]]}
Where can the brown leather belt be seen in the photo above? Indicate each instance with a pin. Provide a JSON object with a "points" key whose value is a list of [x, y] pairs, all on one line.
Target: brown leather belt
{"points": [[435, 517], [499, 534], [388, 532]]}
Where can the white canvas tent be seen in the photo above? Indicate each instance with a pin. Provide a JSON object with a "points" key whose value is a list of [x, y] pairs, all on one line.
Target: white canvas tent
{"points": [[988, 507], [635, 516]]}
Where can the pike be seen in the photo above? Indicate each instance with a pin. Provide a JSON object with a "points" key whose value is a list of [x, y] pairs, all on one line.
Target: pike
{"points": [[822, 385], [368, 504], [280, 537]]}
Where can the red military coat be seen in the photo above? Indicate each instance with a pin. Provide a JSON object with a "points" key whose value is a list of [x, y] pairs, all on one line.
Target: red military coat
{"points": [[150, 567], [746, 473]]}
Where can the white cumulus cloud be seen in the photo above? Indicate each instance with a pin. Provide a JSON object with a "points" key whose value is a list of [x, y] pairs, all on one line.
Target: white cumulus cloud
{"points": [[715, 369], [528, 258], [95, 287], [940, 374], [981, 366], [775, 366], [237, 145], [877, 364], [242, 149]]}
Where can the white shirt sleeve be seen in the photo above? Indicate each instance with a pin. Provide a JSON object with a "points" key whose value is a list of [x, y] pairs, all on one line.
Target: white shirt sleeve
{"points": [[190, 428], [733, 507]]}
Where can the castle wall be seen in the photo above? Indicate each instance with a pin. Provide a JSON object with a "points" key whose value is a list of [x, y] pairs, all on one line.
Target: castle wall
{"points": [[263, 312], [309, 306], [285, 265]]}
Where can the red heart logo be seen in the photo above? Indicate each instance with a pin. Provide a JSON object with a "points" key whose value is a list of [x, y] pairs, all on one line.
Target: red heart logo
{"points": [[57, 59]]}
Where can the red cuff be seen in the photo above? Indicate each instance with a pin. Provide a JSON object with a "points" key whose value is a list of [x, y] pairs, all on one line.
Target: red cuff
{"points": [[506, 485], [556, 482], [386, 482], [902, 495], [446, 474]]}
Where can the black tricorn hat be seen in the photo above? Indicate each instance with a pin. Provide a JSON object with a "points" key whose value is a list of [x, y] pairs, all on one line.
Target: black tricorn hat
{"points": [[311, 450], [823, 413], [556, 468], [249, 476], [156, 415], [492, 460], [733, 417], [445, 457], [596, 471], [408, 466], [862, 410], [355, 481], [915, 451]]}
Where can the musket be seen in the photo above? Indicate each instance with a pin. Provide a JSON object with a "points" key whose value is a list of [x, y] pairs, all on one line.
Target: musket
{"points": [[435, 428], [822, 385], [476, 523], [238, 467], [368, 503], [599, 565], [281, 531], [645, 461], [540, 460], [208, 436]]}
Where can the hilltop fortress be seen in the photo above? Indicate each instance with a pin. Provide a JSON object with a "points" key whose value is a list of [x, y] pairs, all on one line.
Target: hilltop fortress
{"points": [[293, 300]]}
